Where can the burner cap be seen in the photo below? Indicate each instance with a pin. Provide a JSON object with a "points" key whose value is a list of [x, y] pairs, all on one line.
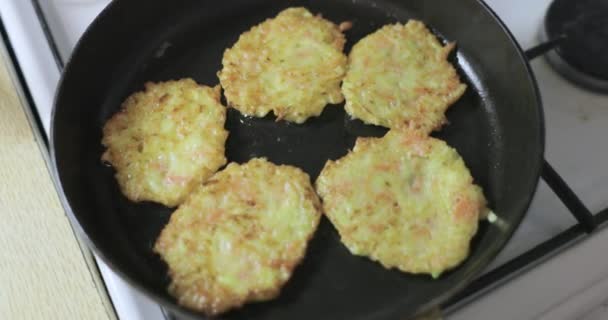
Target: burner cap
{"points": [[582, 55]]}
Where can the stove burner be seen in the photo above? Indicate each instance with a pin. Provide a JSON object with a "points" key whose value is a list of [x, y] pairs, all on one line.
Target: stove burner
{"points": [[582, 53]]}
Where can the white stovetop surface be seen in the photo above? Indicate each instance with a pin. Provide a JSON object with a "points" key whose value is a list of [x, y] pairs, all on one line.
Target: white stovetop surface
{"points": [[573, 284]]}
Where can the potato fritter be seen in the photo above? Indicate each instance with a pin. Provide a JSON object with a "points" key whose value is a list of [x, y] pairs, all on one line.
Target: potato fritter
{"points": [[291, 65], [166, 140], [400, 76], [239, 236], [405, 200]]}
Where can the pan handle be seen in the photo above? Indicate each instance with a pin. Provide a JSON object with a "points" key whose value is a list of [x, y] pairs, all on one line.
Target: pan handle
{"points": [[543, 48], [568, 197]]}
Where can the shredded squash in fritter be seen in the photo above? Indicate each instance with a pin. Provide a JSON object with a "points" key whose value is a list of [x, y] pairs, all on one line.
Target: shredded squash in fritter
{"points": [[239, 236], [405, 200], [399, 76], [166, 140], [291, 65]]}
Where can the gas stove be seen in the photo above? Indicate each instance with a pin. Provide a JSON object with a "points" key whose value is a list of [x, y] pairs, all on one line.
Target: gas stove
{"points": [[552, 268]]}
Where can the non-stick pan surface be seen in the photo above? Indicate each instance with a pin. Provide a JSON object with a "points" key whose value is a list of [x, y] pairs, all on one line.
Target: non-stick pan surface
{"points": [[496, 126]]}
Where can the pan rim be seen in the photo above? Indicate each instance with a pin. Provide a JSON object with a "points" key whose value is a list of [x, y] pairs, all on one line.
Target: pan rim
{"points": [[392, 312]]}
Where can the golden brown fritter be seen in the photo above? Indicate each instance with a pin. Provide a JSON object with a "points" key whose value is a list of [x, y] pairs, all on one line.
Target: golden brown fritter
{"points": [[399, 76], [291, 65], [166, 140], [239, 236], [405, 200]]}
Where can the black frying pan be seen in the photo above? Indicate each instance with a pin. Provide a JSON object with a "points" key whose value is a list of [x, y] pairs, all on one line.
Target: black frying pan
{"points": [[497, 126]]}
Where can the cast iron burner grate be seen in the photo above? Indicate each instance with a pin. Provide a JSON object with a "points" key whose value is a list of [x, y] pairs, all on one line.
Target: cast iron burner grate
{"points": [[561, 40], [581, 30]]}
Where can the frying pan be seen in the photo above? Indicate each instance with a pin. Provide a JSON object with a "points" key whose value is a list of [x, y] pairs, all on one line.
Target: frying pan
{"points": [[497, 127]]}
